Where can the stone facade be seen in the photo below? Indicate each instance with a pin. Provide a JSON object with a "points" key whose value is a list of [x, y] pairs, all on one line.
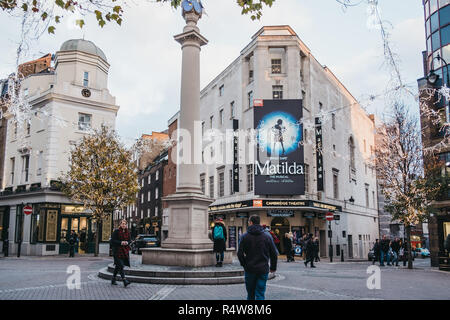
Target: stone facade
{"points": [[67, 102], [277, 60]]}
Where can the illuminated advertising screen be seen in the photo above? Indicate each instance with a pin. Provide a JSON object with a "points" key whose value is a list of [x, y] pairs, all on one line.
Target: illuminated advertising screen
{"points": [[279, 165]]}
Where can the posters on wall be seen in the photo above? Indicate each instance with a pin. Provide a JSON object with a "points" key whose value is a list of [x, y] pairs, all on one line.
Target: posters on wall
{"points": [[279, 166], [232, 237]]}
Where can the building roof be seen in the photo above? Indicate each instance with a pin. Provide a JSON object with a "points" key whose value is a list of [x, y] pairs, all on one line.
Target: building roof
{"points": [[83, 46]]}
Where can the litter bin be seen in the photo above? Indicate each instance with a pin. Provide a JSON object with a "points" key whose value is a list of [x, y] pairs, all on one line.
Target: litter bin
{"points": [[6, 247]]}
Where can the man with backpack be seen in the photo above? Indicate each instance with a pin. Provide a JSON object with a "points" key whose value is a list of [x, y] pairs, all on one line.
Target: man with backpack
{"points": [[219, 234], [258, 255]]}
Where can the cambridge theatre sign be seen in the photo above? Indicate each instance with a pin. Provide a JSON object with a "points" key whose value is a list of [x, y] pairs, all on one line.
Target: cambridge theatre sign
{"points": [[270, 204]]}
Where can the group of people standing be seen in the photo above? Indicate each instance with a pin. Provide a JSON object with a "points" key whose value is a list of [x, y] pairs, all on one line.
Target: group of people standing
{"points": [[390, 251]]}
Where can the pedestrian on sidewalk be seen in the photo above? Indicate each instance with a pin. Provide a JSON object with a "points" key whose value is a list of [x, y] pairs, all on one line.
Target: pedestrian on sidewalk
{"points": [[384, 251], [395, 245], [309, 251], [219, 234], [405, 252], [256, 250], [376, 251], [120, 241], [288, 247], [72, 240], [291, 237], [316, 249]]}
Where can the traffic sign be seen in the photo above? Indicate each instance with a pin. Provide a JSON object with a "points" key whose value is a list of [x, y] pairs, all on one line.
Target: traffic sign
{"points": [[329, 216], [27, 210]]}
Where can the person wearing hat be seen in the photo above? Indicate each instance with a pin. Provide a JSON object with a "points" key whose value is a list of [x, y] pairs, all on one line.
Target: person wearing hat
{"points": [[219, 234]]}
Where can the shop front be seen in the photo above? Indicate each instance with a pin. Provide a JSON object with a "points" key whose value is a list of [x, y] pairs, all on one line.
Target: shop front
{"points": [[280, 216], [45, 230]]}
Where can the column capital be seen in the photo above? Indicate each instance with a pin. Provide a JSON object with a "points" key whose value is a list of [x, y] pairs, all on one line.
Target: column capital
{"points": [[191, 35]]}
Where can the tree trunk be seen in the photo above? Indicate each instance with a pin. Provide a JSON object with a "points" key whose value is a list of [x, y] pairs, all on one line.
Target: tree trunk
{"points": [[408, 237], [96, 243], [97, 237]]}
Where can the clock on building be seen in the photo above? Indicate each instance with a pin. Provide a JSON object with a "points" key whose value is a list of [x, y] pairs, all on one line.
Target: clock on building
{"points": [[86, 93]]}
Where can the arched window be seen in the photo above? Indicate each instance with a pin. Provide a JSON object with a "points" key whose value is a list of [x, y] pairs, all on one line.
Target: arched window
{"points": [[351, 147]]}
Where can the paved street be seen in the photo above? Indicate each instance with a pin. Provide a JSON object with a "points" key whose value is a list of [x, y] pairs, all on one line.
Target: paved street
{"points": [[45, 278]]}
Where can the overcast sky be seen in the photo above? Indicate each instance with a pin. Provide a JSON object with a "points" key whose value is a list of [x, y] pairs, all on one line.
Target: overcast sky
{"points": [[146, 61]]}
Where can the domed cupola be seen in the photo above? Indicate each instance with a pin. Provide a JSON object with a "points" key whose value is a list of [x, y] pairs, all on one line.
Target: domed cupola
{"points": [[82, 45]]}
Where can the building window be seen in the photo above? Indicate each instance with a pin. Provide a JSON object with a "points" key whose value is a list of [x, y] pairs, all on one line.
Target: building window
{"points": [[156, 175], [15, 130], [156, 212], [39, 163], [250, 76], [232, 110], [211, 120], [203, 128], [148, 196], [373, 199], [221, 117], [351, 146], [148, 212], [333, 121], [28, 128], [211, 187], [221, 89], [277, 92], [142, 198], [249, 177], [202, 183], [156, 193], [84, 121], [306, 178], [335, 183], [86, 79], [367, 195], [250, 99], [25, 92], [13, 164], [149, 179], [221, 184], [25, 167], [231, 182], [276, 65]]}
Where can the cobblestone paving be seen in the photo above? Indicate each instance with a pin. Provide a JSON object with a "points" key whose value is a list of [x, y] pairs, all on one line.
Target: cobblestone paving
{"points": [[44, 278]]}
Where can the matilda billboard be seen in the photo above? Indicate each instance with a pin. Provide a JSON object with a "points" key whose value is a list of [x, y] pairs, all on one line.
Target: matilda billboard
{"points": [[279, 166]]}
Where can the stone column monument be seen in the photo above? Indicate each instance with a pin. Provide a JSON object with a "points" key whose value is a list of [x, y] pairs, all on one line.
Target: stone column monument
{"points": [[188, 243]]}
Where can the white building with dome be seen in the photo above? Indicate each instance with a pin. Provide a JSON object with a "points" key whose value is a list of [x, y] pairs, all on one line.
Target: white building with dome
{"points": [[67, 102]]}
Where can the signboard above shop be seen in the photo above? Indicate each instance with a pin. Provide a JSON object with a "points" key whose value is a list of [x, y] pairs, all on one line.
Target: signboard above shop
{"points": [[280, 213], [259, 203]]}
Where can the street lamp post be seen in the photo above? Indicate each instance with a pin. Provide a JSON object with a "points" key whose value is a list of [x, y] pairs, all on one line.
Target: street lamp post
{"points": [[351, 200], [432, 77]]}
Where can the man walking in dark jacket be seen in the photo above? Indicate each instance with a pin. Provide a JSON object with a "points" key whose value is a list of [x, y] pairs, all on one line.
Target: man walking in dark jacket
{"points": [[384, 252], [309, 251], [395, 245], [376, 251], [120, 243], [256, 249]]}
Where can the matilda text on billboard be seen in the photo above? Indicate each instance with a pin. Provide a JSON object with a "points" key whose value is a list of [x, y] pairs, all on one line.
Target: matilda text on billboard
{"points": [[279, 164]]}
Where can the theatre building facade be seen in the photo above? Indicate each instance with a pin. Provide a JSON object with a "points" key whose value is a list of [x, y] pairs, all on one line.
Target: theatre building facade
{"points": [[295, 145], [67, 100]]}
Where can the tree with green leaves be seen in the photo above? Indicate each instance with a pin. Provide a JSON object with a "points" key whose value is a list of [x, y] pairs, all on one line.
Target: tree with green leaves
{"points": [[52, 11], [102, 176]]}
